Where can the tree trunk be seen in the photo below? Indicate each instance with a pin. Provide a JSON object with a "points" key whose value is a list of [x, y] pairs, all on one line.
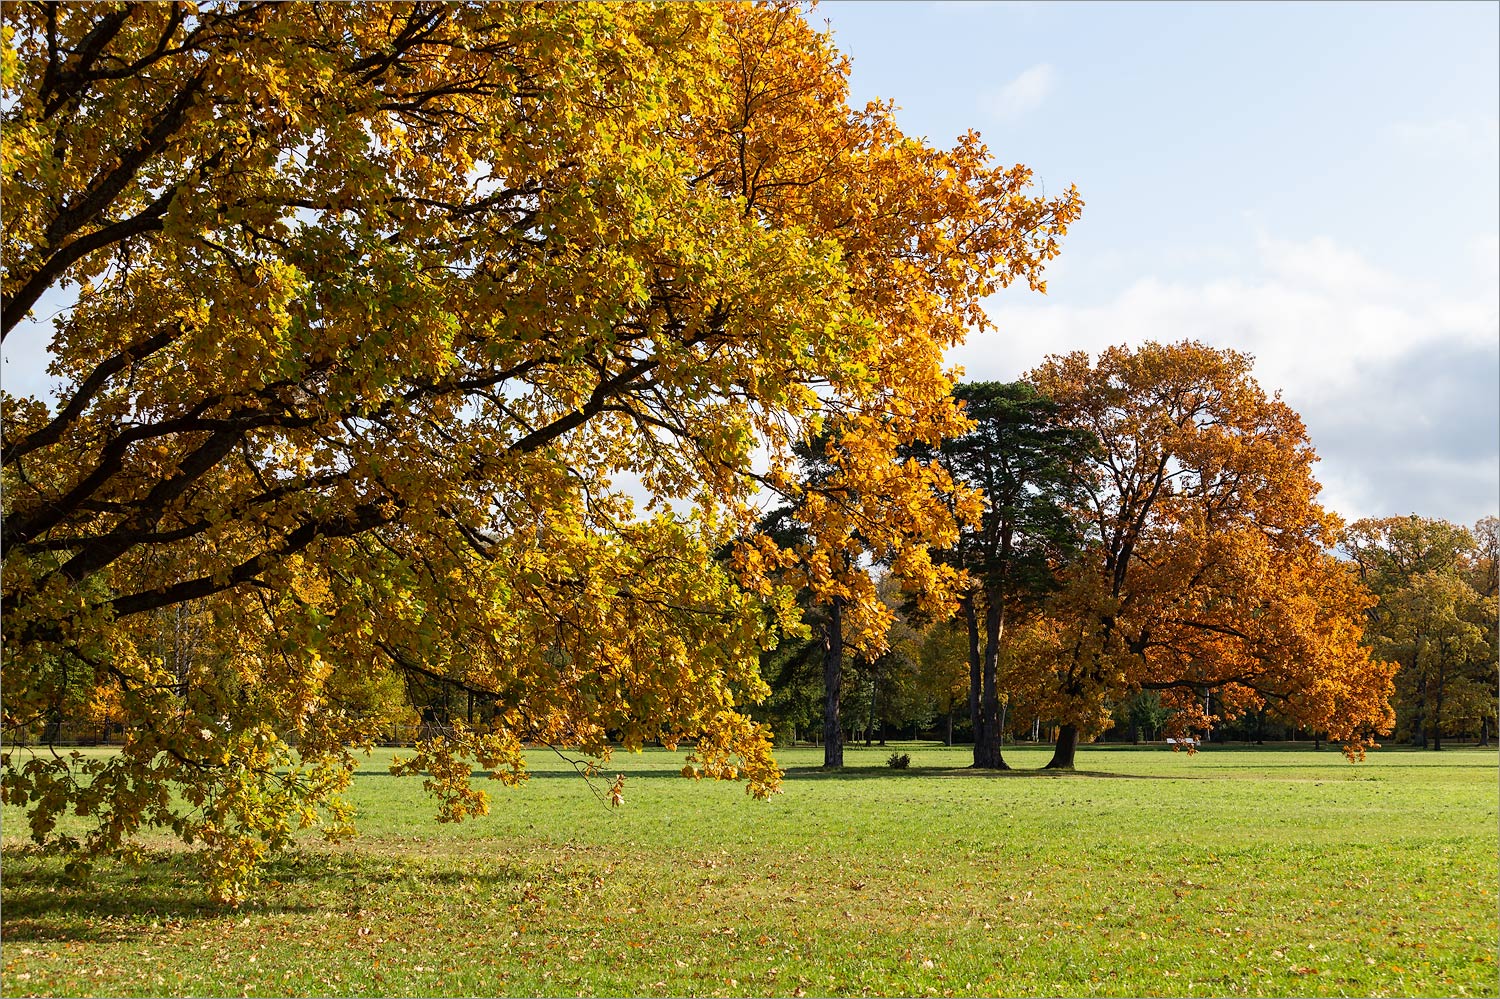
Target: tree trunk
{"points": [[950, 724], [987, 754], [1484, 731], [1067, 749], [833, 679], [972, 620]]}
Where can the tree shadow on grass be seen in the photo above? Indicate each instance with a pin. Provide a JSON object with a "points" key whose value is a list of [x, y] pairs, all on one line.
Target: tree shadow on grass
{"points": [[118, 900], [121, 900], [971, 773]]}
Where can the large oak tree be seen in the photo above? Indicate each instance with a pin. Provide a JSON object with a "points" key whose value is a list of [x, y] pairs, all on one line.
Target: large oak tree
{"points": [[375, 305], [1209, 565]]}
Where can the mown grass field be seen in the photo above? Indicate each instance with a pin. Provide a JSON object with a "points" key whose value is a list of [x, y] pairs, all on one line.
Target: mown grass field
{"points": [[1239, 871]]}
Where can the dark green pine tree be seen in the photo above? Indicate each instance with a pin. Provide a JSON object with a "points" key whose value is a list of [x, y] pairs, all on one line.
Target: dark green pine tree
{"points": [[1029, 468]]}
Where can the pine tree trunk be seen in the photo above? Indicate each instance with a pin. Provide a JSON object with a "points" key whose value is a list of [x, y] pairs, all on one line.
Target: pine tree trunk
{"points": [[1066, 750], [987, 754], [833, 679], [975, 719]]}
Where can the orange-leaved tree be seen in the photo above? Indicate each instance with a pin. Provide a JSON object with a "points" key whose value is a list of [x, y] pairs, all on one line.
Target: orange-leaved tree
{"points": [[1209, 564], [374, 306]]}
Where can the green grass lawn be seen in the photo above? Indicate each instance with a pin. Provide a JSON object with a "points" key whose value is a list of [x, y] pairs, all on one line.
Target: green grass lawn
{"points": [[1235, 872]]}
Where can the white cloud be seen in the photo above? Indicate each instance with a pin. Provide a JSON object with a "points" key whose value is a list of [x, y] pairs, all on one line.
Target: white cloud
{"points": [[1398, 382], [1449, 135], [1023, 94]]}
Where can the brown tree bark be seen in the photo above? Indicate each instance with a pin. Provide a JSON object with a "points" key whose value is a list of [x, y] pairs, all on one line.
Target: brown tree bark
{"points": [[1066, 749], [987, 753], [971, 619], [833, 679]]}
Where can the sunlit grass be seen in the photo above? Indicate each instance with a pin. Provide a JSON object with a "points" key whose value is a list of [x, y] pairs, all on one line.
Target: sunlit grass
{"points": [[1234, 872]]}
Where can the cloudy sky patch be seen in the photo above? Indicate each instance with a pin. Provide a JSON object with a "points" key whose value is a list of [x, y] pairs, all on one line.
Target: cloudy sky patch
{"points": [[1021, 95], [1396, 381]]}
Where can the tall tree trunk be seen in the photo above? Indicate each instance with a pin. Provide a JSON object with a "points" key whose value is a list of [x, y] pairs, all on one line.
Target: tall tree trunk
{"points": [[1484, 731], [1066, 750], [833, 680], [987, 750], [971, 619], [950, 725]]}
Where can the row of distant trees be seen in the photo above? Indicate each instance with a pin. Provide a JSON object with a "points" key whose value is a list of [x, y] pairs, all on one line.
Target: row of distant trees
{"points": [[1436, 617], [1437, 589], [1130, 577]]}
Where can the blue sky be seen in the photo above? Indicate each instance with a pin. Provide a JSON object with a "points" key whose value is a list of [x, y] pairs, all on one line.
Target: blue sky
{"points": [[1317, 184]]}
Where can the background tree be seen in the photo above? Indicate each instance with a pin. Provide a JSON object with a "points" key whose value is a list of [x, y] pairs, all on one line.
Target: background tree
{"points": [[944, 670], [789, 528], [374, 307], [1435, 616], [903, 697], [1484, 673], [1144, 712], [1207, 566], [805, 668], [834, 591]]}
